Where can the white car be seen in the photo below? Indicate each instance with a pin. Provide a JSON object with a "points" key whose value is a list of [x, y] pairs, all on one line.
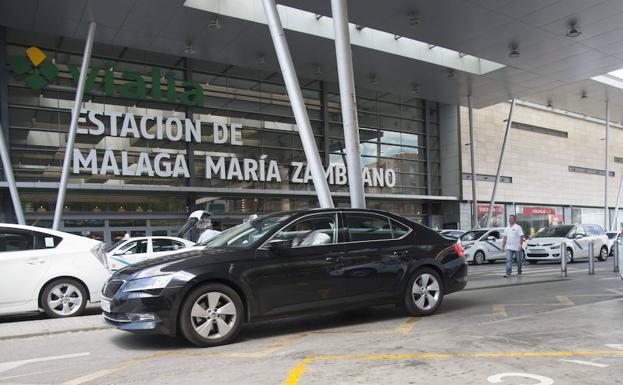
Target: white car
{"points": [[545, 245], [452, 233], [53, 271], [482, 245], [130, 251]]}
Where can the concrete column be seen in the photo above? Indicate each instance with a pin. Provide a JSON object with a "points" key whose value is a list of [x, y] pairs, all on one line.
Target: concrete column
{"points": [[472, 158]]}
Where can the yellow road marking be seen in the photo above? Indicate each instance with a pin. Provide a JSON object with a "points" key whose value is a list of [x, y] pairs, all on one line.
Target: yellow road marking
{"points": [[407, 326], [295, 374], [500, 310], [564, 300]]}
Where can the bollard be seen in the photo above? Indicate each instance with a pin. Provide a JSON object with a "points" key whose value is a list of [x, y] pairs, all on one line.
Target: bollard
{"points": [[617, 252], [591, 257], [563, 260]]}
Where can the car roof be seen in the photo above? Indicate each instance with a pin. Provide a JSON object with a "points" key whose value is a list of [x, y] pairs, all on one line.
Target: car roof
{"points": [[61, 234]]}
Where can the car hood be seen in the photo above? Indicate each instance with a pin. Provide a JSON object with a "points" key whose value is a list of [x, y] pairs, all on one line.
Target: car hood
{"points": [[546, 241], [181, 260]]}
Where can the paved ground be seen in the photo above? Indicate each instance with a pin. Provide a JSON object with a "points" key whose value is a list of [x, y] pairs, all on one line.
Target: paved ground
{"points": [[562, 332]]}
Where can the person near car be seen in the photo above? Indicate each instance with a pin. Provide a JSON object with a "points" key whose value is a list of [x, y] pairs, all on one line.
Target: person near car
{"points": [[208, 234], [513, 240]]}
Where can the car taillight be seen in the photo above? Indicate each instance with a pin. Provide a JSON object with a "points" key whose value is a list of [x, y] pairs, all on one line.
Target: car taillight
{"points": [[458, 248], [100, 254]]}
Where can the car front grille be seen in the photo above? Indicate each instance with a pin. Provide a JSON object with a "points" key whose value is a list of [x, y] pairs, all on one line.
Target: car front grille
{"points": [[112, 287], [532, 255]]}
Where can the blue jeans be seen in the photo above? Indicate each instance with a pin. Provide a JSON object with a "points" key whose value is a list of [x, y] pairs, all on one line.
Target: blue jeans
{"points": [[509, 261]]}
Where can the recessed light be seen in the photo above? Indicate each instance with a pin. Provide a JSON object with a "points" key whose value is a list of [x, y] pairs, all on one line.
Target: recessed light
{"points": [[415, 89], [574, 30], [414, 19], [452, 74], [373, 79], [214, 23], [260, 59], [317, 70], [189, 50]]}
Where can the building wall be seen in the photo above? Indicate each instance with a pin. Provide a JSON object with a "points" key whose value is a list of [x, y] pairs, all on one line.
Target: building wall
{"points": [[539, 163]]}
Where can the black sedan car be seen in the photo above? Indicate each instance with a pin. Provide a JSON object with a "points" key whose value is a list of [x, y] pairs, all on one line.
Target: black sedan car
{"points": [[286, 264]]}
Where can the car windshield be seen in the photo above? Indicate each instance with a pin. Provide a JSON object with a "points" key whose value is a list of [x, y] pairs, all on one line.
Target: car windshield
{"points": [[247, 233], [111, 246], [612, 235], [553, 232], [472, 235]]}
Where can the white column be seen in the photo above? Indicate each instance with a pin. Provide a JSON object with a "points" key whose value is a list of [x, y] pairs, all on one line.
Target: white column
{"points": [[614, 226], [497, 174], [298, 105], [348, 102], [606, 168], [73, 127], [8, 174], [472, 151]]}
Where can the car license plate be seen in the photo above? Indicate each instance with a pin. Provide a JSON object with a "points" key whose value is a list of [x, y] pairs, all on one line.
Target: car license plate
{"points": [[538, 251], [105, 305]]}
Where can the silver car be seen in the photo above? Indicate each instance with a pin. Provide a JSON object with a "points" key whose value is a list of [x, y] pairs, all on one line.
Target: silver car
{"points": [[545, 245]]}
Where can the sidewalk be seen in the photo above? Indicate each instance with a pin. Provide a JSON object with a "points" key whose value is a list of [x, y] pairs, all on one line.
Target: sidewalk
{"points": [[46, 326]]}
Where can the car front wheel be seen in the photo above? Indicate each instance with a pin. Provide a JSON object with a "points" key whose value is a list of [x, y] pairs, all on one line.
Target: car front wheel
{"points": [[479, 258], [424, 293], [603, 254], [211, 315], [64, 297]]}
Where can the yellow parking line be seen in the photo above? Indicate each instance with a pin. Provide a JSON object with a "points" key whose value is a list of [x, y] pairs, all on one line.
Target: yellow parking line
{"points": [[407, 326], [500, 310], [295, 374]]}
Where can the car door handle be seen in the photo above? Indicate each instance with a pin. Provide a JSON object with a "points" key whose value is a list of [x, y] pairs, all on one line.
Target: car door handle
{"points": [[401, 253], [35, 261], [333, 258]]}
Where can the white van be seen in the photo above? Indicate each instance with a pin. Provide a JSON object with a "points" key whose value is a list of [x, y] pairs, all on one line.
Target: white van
{"points": [[482, 245], [545, 245]]}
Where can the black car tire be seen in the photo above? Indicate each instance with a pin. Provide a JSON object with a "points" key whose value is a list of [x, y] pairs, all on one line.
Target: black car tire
{"points": [[187, 320], [410, 299], [48, 298], [601, 254], [569, 255], [481, 260]]}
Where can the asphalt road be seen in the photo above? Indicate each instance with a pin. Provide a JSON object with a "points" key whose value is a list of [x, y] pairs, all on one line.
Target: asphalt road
{"points": [[562, 332]]}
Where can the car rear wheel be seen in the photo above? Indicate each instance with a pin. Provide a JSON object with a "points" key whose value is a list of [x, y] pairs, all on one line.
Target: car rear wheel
{"points": [[603, 254], [424, 292], [479, 258], [64, 297], [211, 315]]}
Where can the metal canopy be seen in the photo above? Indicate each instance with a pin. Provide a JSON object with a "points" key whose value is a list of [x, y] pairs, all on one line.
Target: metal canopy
{"points": [[551, 67]]}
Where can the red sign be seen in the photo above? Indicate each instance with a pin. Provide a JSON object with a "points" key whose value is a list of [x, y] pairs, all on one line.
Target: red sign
{"points": [[558, 219], [484, 209], [538, 211]]}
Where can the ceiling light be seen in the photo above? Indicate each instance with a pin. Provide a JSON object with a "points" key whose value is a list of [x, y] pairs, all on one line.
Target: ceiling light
{"points": [[452, 74], [189, 50], [514, 53], [414, 19], [317, 70], [359, 27], [415, 89], [573, 30], [373, 79], [214, 23], [260, 59]]}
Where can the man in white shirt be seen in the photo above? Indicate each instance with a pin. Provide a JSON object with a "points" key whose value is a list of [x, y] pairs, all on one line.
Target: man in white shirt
{"points": [[513, 240]]}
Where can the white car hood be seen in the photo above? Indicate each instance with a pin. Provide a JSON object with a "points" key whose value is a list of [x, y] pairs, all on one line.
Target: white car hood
{"points": [[546, 241]]}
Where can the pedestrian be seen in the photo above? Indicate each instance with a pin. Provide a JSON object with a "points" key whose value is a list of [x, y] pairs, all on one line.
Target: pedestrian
{"points": [[513, 241]]}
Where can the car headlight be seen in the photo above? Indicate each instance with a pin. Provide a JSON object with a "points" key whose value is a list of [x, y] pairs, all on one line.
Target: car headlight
{"points": [[467, 247], [148, 283], [556, 247]]}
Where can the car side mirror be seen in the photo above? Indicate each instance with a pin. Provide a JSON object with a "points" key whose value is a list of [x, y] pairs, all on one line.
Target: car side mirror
{"points": [[579, 236], [278, 246], [491, 238]]}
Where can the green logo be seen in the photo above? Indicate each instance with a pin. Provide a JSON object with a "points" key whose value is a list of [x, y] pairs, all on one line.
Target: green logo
{"points": [[38, 68]]}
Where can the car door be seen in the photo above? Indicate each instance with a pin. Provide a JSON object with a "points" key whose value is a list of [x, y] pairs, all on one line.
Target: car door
{"points": [[130, 253], [303, 274], [375, 255], [23, 267], [580, 240], [492, 242]]}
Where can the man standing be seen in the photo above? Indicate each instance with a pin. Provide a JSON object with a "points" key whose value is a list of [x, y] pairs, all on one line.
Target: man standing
{"points": [[513, 241]]}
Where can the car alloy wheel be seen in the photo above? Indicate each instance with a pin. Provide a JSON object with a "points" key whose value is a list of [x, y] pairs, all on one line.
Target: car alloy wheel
{"points": [[479, 258], [63, 298], [424, 293], [603, 254], [569, 255], [213, 315]]}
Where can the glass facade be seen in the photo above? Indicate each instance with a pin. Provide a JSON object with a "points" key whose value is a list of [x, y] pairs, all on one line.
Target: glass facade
{"points": [[144, 104], [534, 218]]}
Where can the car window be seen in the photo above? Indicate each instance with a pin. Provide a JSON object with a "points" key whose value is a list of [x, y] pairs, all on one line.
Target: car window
{"points": [[15, 240], [46, 241], [163, 244], [599, 231], [591, 231], [398, 229], [494, 233], [367, 227], [579, 230], [472, 235], [134, 247], [317, 230]]}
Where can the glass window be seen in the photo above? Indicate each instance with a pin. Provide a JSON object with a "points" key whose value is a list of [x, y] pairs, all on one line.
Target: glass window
{"points": [[399, 230], [472, 235], [134, 247], [247, 233], [164, 244], [311, 231], [46, 241], [15, 241], [367, 227]]}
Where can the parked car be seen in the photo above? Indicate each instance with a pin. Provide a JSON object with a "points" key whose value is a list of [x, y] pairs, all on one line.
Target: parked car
{"points": [[48, 270], [133, 250], [613, 238], [452, 233], [483, 245], [545, 245], [285, 264]]}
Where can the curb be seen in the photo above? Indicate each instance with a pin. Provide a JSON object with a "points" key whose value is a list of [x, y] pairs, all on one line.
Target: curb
{"points": [[493, 286], [54, 332]]}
